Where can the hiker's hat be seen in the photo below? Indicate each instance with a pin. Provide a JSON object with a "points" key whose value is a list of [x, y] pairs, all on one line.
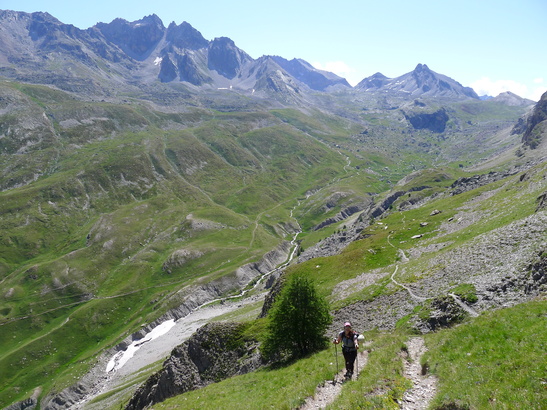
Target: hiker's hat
{"points": [[347, 324]]}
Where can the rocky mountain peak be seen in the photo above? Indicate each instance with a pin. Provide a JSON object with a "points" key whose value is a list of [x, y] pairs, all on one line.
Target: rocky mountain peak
{"points": [[375, 81], [225, 58], [420, 81], [424, 81], [38, 24], [422, 68], [135, 38], [184, 36]]}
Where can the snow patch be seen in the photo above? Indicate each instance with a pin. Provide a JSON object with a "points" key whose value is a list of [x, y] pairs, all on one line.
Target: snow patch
{"points": [[158, 60], [122, 357]]}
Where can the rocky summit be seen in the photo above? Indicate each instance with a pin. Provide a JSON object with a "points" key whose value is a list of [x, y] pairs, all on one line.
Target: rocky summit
{"points": [[421, 81], [158, 189]]}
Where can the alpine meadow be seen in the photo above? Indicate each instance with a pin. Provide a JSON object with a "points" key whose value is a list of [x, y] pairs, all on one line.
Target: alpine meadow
{"points": [[158, 190]]}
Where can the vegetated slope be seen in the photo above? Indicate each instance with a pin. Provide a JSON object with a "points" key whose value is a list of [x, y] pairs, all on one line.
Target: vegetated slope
{"points": [[112, 213], [453, 257], [111, 209]]}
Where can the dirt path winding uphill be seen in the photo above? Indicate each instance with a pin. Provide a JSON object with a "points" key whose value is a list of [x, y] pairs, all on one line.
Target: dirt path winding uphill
{"points": [[327, 392], [424, 386]]}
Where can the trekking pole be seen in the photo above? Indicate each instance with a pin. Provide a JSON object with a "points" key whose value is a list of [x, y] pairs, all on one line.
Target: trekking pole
{"points": [[360, 339], [336, 356]]}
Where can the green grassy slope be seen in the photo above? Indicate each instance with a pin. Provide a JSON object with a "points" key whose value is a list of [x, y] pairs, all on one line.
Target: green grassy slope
{"points": [[493, 360], [108, 209], [88, 251]]}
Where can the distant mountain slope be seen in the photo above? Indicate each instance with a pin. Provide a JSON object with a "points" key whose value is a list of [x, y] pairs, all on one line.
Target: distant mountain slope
{"points": [[313, 78], [512, 99], [420, 82]]}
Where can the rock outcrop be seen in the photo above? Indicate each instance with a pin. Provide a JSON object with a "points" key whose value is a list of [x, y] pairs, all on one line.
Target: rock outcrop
{"points": [[340, 216], [217, 351], [536, 125], [433, 121], [476, 181]]}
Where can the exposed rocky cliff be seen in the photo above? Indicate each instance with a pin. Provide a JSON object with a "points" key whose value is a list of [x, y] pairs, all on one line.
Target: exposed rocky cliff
{"points": [[137, 39], [536, 125], [434, 121], [468, 183], [215, 352]]}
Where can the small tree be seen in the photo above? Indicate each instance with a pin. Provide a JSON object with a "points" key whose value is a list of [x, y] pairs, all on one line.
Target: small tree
{"points": [[298, 321]]}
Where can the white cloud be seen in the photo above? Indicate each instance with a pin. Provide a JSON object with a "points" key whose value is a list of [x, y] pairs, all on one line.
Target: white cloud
{"points": [[487, 86], [339, 68], [537, 93]]}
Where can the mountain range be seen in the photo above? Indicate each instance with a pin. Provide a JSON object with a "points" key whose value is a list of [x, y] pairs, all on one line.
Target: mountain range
{"points": [[39, 48], [146, 172]]}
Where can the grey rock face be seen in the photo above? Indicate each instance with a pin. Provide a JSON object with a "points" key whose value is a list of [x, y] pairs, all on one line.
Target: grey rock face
{"points": [[435, 121], [168, 71], [189, 71], [225, 57], [536, 127], [215, 352], [137, 38], [184, 36]]}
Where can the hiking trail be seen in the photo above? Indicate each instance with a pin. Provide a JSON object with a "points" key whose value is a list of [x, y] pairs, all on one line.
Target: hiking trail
{"points": [[327, 392], [424, 385]]}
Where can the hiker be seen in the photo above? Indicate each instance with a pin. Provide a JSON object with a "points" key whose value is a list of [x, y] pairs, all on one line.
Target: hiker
{"points": [[349, 347]]}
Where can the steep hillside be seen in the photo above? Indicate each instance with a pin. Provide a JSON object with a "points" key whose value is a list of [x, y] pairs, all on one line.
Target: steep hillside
{"points": [[534, 133], [453, 257], [146, 171], [117, 208], [115, 215]]}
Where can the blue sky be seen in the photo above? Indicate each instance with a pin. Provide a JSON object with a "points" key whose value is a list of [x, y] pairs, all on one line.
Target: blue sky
{"points": [[490, 45]]}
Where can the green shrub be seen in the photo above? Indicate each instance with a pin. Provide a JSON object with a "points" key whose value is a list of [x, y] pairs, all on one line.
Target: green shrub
{"points": [[298, 321]]}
